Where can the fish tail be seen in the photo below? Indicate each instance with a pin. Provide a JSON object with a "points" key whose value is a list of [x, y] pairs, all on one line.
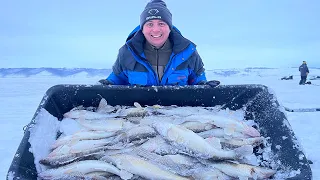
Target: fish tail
{"points": [[263, 172], [243, 151], [125, 175], [44, 161]]}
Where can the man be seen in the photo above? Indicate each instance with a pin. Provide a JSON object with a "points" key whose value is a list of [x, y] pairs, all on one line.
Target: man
{"points": [[155, 54], [304, 71]]}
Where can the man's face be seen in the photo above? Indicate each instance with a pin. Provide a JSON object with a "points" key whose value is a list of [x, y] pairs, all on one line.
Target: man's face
{"points": [[156, 32]]}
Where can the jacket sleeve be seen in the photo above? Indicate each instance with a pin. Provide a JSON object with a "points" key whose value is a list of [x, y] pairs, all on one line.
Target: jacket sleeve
{"points": [[197, 70], [118, 75]]}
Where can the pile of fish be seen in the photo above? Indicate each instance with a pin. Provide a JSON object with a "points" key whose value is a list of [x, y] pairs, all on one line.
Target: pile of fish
{"points": [[154, 142]]}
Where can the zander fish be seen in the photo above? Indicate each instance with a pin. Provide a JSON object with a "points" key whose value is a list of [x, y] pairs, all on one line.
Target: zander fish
{"points": [[89, 115], [221, 133], [243, 171], [233, 143], [160, 146], [83, 168], [136, 133], [83, 135], [180, 164], [194, 145], [230, 125], [138, 166], [115, 124], [79, 146], [62, 159], [210, 174], [197, 126], [137, 111]]}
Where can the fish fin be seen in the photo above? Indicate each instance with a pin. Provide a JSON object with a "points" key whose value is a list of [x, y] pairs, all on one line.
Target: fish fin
{"points": [[145, 153], [137, 105], [209, 126], [214, 142], [243, 178], [233, 161], [72, 170], [157, 106], [102, 104], [244, 151], [55, 145], [72, 142], [263, 172], [125, 174], [251, 131], [229, 131]]}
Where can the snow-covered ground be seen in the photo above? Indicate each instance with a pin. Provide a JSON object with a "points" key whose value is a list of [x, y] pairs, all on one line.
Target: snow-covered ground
{"points": [[20, 97]]}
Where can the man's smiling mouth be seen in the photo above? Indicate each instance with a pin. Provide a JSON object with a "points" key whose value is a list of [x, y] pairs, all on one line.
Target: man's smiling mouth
{"points": [[156, 36]]}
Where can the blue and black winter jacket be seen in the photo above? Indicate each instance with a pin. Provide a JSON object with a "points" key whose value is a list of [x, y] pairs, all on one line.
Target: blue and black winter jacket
{"points": [[185, 66]]}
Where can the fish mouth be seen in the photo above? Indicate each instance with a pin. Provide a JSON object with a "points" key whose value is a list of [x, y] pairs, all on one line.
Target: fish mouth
{"points": [[251, 131]]}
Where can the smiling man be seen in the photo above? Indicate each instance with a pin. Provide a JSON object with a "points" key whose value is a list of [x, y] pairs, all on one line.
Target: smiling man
{"points": [[156, 53]]}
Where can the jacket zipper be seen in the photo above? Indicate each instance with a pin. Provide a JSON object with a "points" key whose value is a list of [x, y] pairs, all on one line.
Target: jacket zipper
{"points": [[153, 72], [157, 63], [148, 64]]}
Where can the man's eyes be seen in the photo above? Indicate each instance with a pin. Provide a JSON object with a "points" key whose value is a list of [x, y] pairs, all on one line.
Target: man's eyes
{"points": [[159, 24]]}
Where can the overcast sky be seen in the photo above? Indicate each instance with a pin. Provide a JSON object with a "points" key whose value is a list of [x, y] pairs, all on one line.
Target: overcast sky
{"points": [[228, 33]]}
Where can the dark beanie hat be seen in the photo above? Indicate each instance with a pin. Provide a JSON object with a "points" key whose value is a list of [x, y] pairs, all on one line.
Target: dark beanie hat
{"points": [[156, 9]]}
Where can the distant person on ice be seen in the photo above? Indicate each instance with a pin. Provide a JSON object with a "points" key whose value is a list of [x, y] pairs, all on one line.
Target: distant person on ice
{"points": [[156, 53], [304, 71]]}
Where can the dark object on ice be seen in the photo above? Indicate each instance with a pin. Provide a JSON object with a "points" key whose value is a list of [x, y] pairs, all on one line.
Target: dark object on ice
{"points": [[308, 82], [105, 82], [302, 109], [315, 78], [212, 83], [259, 105], [287, 78]]}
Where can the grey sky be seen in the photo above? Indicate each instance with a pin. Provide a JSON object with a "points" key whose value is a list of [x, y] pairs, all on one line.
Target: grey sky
{"points": [[228, 33]]}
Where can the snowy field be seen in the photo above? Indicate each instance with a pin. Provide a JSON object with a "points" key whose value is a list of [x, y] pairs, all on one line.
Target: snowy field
{"points": [[20, 97]]}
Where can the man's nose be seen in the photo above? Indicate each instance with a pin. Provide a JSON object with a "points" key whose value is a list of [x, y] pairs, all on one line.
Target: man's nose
{"points": [[156, 28]]}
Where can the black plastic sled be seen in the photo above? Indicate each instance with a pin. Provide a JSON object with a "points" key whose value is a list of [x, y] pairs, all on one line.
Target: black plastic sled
{"points": [[258, 103]]}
